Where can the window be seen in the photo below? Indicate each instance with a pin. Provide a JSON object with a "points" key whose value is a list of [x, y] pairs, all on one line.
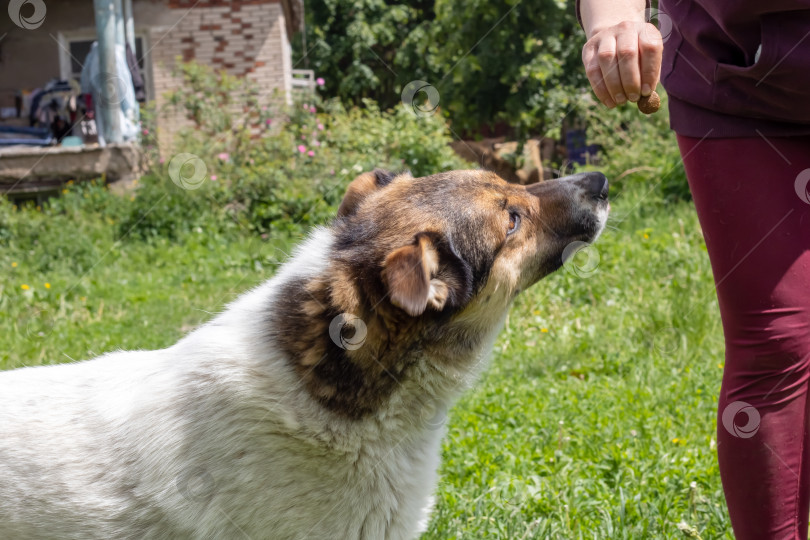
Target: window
{"points": [[75, 48]]}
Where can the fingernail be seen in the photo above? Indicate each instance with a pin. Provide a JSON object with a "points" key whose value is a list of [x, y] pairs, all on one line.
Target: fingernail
{"points": [[619, 98], [632, 97], [646, 90]]}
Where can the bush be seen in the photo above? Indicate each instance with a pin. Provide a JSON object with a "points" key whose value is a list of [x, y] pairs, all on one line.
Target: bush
{"points": [[395, 139], [264, 175]]}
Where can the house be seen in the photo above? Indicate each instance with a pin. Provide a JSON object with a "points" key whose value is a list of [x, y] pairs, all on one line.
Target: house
{"points": [[43, 40]]}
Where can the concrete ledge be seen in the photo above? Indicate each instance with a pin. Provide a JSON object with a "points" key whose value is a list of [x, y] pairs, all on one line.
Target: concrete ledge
{"points": [[26, 169]]}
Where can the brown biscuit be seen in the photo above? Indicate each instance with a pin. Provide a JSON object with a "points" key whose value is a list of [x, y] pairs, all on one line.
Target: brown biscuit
{"points": [[649, 104]]}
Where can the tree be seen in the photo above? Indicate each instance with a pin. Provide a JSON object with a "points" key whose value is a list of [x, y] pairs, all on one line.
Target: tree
{"points": [[353, 44], [508, 66]]}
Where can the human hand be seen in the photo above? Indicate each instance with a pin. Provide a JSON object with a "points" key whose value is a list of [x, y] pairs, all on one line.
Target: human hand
{"points": [[623, 61]]}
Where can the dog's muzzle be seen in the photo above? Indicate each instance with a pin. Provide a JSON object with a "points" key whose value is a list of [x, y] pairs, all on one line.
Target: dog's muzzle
{"points": [[574, 208]]}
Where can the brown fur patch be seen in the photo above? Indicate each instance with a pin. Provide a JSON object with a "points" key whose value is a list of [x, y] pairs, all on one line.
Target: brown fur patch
{"points": [[361, 187]]}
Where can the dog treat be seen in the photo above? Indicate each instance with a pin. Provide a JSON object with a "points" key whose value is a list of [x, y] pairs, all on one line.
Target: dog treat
{"points": [[649, 104]]}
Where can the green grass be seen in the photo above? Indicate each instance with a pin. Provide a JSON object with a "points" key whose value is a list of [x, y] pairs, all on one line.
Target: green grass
{"points": [[596, 419]]}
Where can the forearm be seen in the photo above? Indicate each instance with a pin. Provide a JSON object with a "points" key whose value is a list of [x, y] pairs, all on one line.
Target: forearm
{"points": [[600, 14]]}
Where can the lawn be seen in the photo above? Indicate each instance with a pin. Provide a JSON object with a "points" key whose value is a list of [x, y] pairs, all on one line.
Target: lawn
{"points": [[597, 417], [595, 420]]}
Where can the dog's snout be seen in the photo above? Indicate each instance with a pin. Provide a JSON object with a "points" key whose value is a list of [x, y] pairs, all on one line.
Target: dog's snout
{"points": [[595, 185]]}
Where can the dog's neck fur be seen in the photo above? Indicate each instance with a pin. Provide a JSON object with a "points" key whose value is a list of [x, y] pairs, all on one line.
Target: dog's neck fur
{"points": [[356, 375]]}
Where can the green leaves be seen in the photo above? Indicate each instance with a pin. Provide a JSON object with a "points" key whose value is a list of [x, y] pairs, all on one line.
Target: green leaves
{"points": [[508, 66]]}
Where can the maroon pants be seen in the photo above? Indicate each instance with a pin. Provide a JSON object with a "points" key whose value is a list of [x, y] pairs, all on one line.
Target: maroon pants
{"points": [[753, 199]]}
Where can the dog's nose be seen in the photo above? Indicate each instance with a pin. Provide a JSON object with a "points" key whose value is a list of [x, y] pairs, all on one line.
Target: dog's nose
{"points": [[595, 184]]}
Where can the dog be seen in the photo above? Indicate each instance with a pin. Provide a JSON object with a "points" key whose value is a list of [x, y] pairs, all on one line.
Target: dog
{"points": [[312, 407]]}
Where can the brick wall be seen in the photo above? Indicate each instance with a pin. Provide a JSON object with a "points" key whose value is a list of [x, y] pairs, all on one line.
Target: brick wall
{"points": [[243, 37]]}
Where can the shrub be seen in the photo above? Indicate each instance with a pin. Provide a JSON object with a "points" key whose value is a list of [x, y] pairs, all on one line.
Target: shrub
{"points": [[395, 139], [264, 175]]}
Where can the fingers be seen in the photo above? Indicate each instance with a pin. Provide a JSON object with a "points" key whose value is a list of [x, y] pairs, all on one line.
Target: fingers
{"points": [[651, 47], [594, 73], [606, 56], [628, 52], [623, 62]]}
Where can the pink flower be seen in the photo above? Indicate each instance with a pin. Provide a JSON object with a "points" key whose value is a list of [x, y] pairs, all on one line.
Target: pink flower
{"points": [[223, 156], [268, 121], [332, 172], [264, 108], [310, 153], [302, 148], [162, 160], [316, 143], [312, 109], [306, 106], [320, 127], [320, 81], [213, 178], [303, 137]]}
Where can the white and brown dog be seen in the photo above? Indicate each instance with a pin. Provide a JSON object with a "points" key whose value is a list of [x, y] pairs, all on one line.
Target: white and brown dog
{"points": [[307, 410]]}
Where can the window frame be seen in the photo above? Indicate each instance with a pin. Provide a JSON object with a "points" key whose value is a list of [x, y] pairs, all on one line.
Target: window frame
{"points": [[64, 40]]}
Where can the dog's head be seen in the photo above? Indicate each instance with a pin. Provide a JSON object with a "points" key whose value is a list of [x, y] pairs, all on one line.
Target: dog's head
{"points": [[454, 241], [424, 270]]}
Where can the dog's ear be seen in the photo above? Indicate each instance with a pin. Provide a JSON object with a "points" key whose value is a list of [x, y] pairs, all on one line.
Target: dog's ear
{"points": [[361, 187], [426, 273]]}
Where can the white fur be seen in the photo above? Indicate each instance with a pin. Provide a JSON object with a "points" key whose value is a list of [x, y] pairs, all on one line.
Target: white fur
{"points": [[214, 437]]}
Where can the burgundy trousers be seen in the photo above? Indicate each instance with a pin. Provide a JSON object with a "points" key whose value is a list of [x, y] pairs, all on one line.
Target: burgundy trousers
{"points": [[753, 200]]}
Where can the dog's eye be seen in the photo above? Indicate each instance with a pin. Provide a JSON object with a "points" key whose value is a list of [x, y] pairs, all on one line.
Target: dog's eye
{"points": [[514, 223]]}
